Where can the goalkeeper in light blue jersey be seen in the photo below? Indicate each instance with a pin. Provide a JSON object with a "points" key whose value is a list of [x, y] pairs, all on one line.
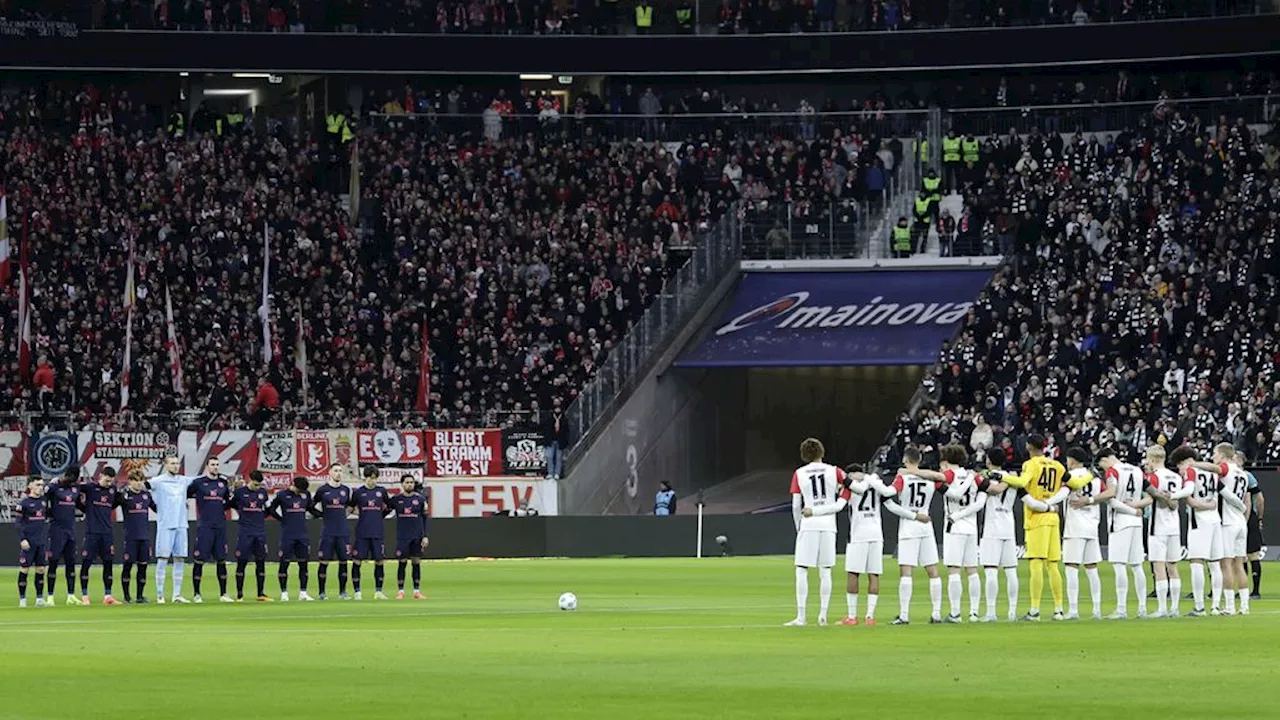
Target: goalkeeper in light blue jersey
{"points": [[169, 490]]}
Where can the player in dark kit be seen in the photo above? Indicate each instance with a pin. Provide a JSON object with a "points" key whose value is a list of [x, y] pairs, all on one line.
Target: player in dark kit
{"points": [[290, 507], [373, 503], [212, 492], [411, 534], [63, 497], [330, 502], [137, 503], [98, 503], [251, 504], [33, 528]]}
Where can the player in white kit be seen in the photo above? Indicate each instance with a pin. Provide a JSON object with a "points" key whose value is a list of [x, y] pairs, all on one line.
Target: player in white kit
{"points": [[1235, 523], [1080, 533], [1124, 541], [999, 547], [865, 553], [814, 486], [963, 502], [1165, 542], [1204, 534], [917, 543]]}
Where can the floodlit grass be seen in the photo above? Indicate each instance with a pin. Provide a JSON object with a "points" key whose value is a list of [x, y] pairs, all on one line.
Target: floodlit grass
{"points": [[669, 638]]}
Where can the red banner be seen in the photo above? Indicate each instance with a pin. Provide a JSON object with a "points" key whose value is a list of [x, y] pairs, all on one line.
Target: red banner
{"points": [[390, 447], [463, 453], [13, 453]]}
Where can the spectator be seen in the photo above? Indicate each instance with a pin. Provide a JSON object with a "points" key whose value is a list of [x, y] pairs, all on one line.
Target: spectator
{"points": [[556, 430], [664, 502], [982, 436], [1080, 17]]}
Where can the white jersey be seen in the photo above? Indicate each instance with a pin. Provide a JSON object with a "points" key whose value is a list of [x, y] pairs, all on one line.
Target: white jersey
{"points": [[997, 516], [1130, 484], [961, 496], [1206, 489], [1236, 482], [817, 484], [915, 494], [864, 511], [1083, 522], [1165, 520]]}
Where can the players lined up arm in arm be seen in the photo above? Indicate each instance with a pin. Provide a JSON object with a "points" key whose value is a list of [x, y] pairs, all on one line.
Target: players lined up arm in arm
{"points": [[890, 491], [1109, 490]]}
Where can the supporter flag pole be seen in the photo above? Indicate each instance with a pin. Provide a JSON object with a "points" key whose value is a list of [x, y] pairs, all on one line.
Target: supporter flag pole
{"points": [[175, 352], [353, 203], [300, 356], [24, 304], [424, 371], [264, 310], [699, 549], [5, 271], [130, 299]]}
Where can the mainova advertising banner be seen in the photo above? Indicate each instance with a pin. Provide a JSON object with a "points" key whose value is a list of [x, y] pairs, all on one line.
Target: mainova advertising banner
{"points": [[890, 317]]}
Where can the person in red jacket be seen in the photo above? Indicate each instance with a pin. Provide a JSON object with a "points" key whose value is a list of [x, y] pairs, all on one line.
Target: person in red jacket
{"points": [[43, 381]]}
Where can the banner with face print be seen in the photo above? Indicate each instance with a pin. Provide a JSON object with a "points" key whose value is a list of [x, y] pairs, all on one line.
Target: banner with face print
{"points": [[390, 447]]}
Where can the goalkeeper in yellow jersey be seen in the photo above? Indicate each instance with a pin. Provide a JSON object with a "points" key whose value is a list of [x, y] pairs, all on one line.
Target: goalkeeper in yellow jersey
{"points": [[1047, 485]]}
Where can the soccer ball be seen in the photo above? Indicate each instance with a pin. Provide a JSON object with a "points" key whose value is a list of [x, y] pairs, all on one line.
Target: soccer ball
{"points": [[568, 601]]}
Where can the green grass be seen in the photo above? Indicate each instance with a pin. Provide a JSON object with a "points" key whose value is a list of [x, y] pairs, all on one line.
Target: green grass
{"points": [[669, 638]]}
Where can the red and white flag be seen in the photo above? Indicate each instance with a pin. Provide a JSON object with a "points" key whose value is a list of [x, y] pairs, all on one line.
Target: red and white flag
{"points": [[5, 270], [130, 299], [264, 310], [300, 355], [175, 352], [424, 372], [24, 305]]}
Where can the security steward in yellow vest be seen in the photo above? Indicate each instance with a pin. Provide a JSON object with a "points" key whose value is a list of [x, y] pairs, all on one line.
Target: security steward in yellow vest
{"points": [[644, 17], [235, 122], [932, 185], [338, 128], [177, 126], [951, 157], [970, 149], [902, 238], [923, 212], [684, 16]]}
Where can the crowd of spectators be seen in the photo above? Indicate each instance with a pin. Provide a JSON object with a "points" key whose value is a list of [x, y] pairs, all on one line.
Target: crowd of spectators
{"points": [[1138, 303], [597, 16]]}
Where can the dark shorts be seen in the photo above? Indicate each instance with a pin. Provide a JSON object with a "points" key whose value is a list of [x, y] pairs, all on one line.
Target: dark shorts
{"points": [[62, 546], [334, 547], [408, 547], [253, 547], [295, 549], [138, 550], [101, 547], [211, 544], [368, 549], [1253, 539], [37, 556]]}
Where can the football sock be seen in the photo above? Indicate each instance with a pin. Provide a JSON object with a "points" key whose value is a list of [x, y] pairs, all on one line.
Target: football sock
{"points": [[1175, 592], [84, 577], [953, 592], [851, 599], [1122, 587], [355, 577], [342, 577], [1055, 584], [52, 579], [1073, 589], [400, 569], [1140, 588], [179, 569], [22, 586], [197, 577], [1162, 595], [304, 574], [260, 576], [71, 576], [935, 595], [1197, 585], [240, 566], [282, 576], [904, 597], [126, 579], [1011, 588], [872, 598], [323, 576], [1230, 598], [141, 579], [1215, 582], [1255, 569], [162, 565], [993, 588], [1037, 585], [222, 578], [1095, 588], [380, 575], [108, 577], [824, 586], [975, 593], [802, 592], [39, 584], [417, 577], [1244, 599]]}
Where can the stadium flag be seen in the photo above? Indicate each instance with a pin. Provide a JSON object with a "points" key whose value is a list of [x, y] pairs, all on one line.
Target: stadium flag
{"points": [[24, 303], [130, 299], [5, 270], [354, 202], [264, 310], [175, 352], [300, 355], [424, 372]]}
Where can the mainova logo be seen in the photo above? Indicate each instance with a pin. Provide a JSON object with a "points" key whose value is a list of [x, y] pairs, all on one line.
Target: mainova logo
{"points": [[790, 311]]}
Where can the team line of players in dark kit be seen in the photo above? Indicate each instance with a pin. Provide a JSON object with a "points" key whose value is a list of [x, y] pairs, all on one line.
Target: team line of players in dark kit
{"points": [[47, 518]]}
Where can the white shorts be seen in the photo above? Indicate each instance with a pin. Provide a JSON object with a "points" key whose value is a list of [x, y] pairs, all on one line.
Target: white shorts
{"points": [[917, 552], [864, 557], [1082, 551], [1204, 542], [998, 552], [171, 543], [1164, 548], [959, 550], [815, 548], [1235, 541], [1124, 546]]}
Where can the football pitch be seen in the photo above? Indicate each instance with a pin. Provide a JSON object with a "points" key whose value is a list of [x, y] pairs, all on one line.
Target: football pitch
{"points": [[663, 638]]}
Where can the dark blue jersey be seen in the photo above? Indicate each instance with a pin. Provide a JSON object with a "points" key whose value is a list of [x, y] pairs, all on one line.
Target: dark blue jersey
{"points": [[62, 501], [411, 516], [291, 508], [33, 520], [98, 503], [212, 495], [137, 507], [373, 504], [252, 506], [331, 503]]}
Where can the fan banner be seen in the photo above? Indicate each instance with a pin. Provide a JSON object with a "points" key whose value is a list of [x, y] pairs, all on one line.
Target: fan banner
{"points": [[390, 447], [463, 453]]}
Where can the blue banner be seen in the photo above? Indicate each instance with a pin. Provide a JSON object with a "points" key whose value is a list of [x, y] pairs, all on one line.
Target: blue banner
{"points": [[890, 317], [52, 453]]}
